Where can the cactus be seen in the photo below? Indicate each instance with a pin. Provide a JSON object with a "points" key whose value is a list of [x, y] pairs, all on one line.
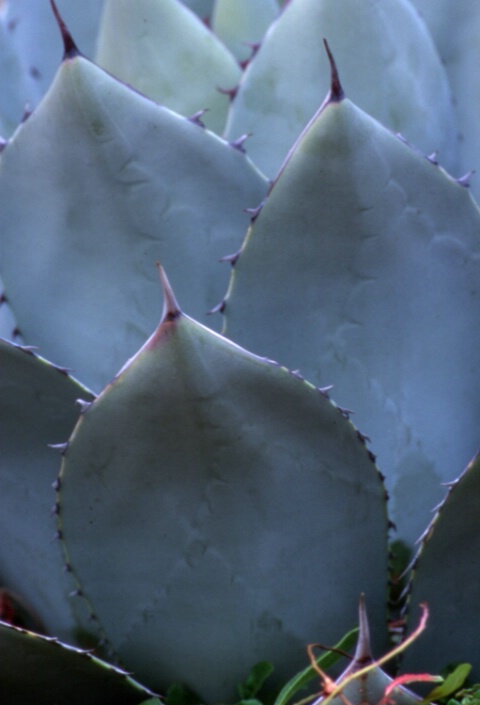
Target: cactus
{"points": [[213, 507]]}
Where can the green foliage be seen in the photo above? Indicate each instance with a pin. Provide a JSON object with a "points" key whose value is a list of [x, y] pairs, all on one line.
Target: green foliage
{"points": [[453, 684], [466, 696]]}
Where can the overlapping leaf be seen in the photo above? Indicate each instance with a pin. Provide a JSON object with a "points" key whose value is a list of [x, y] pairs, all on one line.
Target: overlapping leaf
{"points": [[363, 269], [37, 408], [239, 25], [395, 76], [44, 671], [447, 575], [207, 504], [455, 28], [114, 183], [163, 50]]}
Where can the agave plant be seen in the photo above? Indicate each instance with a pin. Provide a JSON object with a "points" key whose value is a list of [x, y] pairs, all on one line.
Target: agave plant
{"points": [[213, 507]]}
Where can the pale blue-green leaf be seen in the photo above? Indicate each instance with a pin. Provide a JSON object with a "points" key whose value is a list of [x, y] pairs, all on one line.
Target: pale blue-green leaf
{"points": [[396, 76], [241, 24], [8, 323], [18, 88], [455, 27], [37, 408], [165, 51], [127, 183], [363, 270], [34, 33], [203, 8], [219, 511], [446, 575]]}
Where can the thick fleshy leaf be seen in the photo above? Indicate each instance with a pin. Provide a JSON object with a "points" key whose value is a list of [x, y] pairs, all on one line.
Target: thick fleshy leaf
{"points": [[165, 51], [369, 255], [455, 27], [241, 24], [127, 183], [44, 671], [17, 85], [364, 681], [203, 8], [37, 408], [219, 511], [34, 36], [396, 76], [8, 323], [446, 574]]}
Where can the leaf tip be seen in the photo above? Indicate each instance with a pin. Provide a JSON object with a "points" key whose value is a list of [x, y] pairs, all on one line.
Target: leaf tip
{"points": [[171, 309], [70, 49], [336, 91]]}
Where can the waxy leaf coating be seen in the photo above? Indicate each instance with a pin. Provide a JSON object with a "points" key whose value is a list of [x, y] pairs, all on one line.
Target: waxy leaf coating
{"points": [[446, 574], [368, 254], [163, 50], [207, 505], [114, 183], [37, 408], [395, 76]]}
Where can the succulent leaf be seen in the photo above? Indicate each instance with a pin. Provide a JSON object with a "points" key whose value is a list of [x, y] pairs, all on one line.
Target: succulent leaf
{"points": [[446, 574], [369, 255], [165, 51], [455, 27], [203, 8], [37, 407], [8, 322], [17, 85], [79, 271], [26, 23], [396, 77], [241, 25], [364, 682], [207, 500], [34, 669]]}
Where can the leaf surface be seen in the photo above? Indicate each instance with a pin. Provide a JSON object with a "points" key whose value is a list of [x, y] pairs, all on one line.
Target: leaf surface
{"points": [[128, 183], [209, 499], [446, 574], [37, 408], [394, 76], [163, 49], [44, 671], [239, 25], [454, 28], [368, 255]]}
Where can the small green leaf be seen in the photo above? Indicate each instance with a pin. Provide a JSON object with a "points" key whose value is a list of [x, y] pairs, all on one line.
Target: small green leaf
{"points": [[258, 675], [181, 694], [453, 682], [325, 661]]}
